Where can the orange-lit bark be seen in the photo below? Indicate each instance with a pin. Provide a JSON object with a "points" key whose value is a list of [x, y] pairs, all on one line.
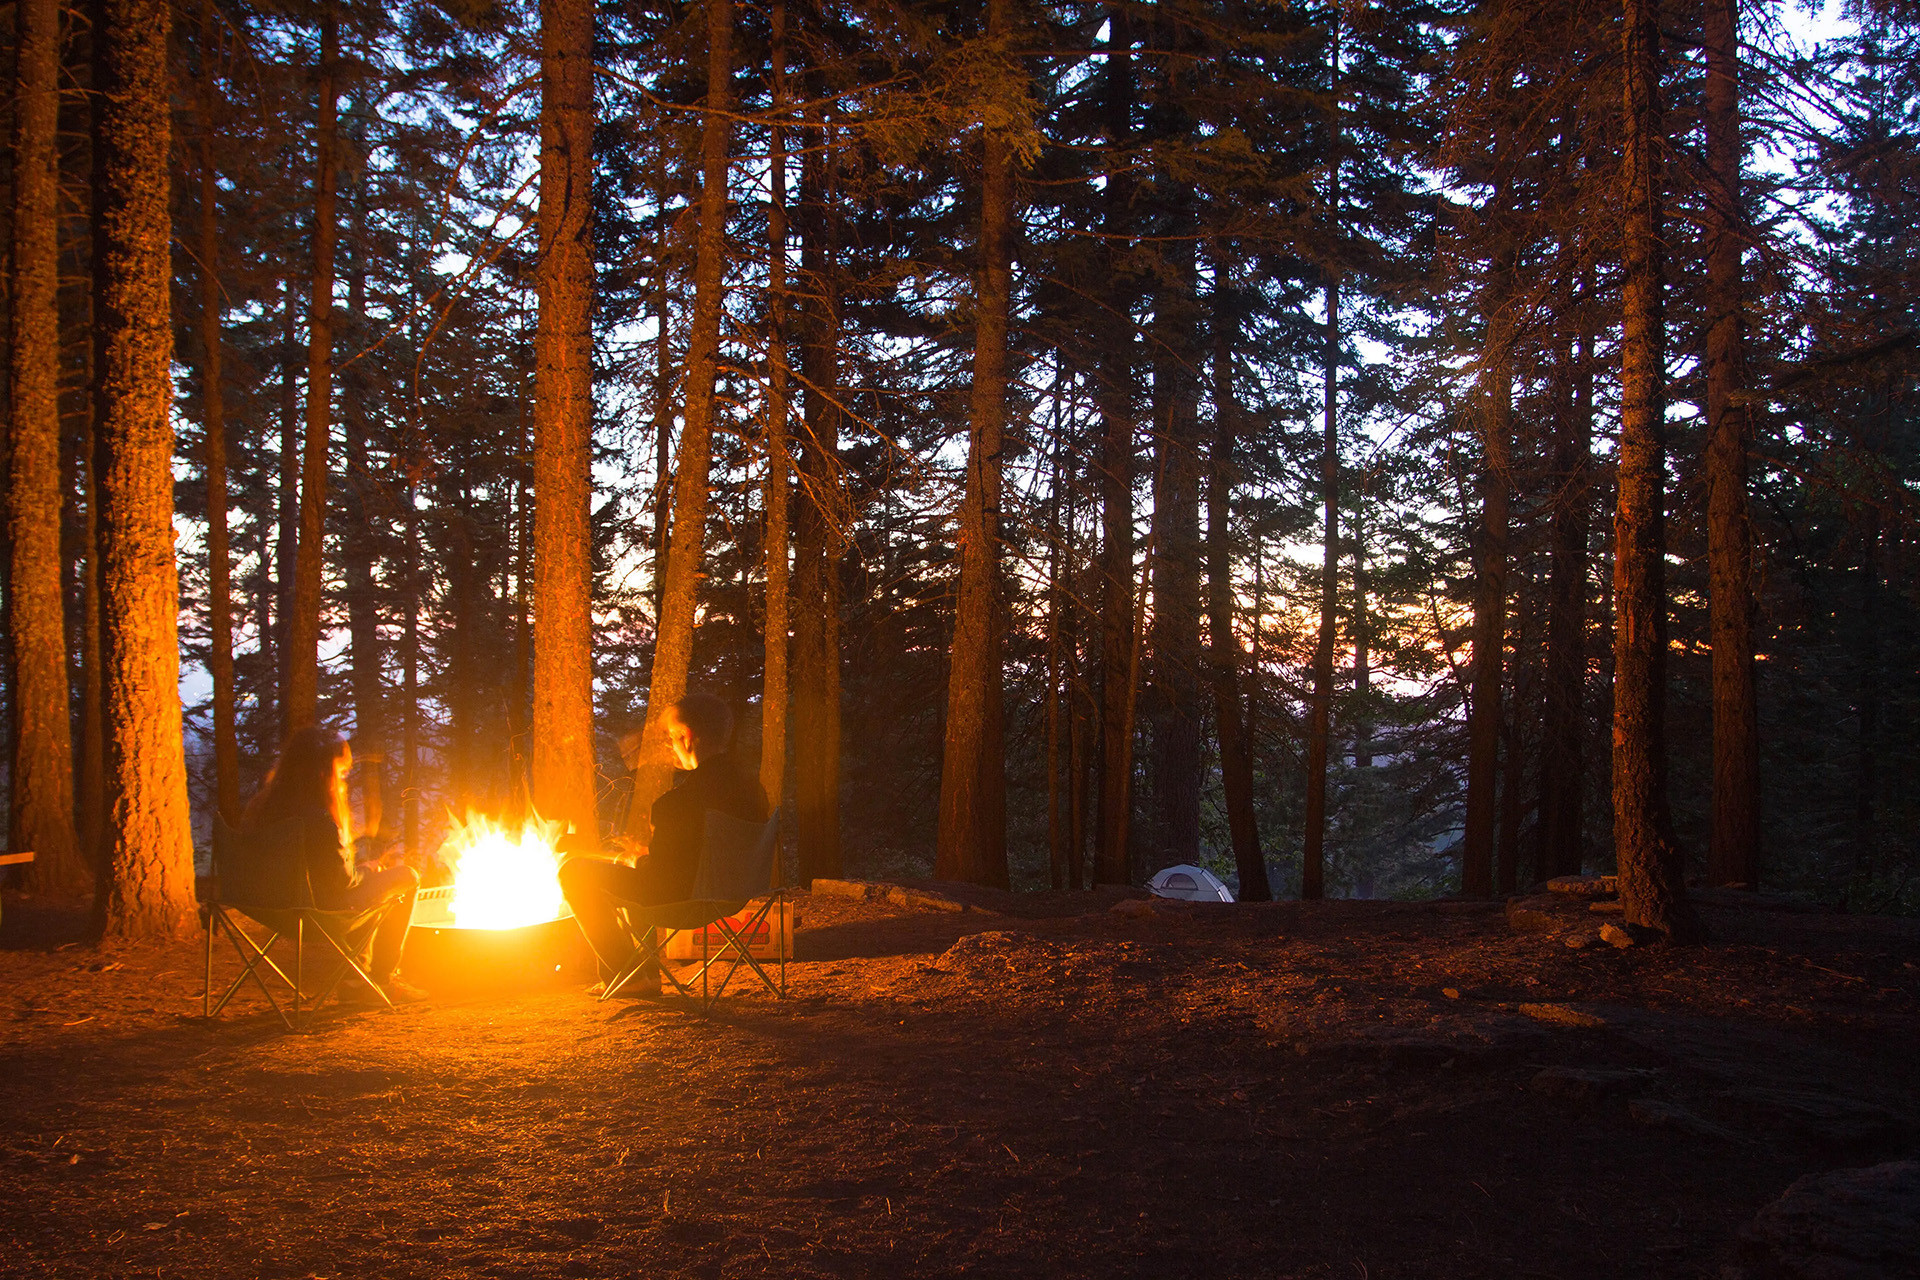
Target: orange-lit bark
{"points": [[972, 837], [686, 552], [562, 729], [146, 888], [1652, 892], [42, 815]]}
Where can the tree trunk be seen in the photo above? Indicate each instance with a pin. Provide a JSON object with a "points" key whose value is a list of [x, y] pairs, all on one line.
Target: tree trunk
{"points": [[673, 642], [286, 546], [1175, 632], [562, 748], [1362, 640], [773, 688], [817, 532], [1733, 855], [226, 744], [1236, 761], [1114, 397], [1513, 753], [1652, 891], [662, 382], [42, 815], [972, 840], [1490, 587], [303, 627], [362, 598], [147, 884], [410, 677], [1563, 728], [1320, 710]]}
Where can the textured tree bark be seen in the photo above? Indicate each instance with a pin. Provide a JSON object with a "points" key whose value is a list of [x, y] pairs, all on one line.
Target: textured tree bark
{"points": [[1563, 727], [362, 598], [562, 748], [1112, 863], [303, 626], [817, 531], [226, 743], [1320, 709], [42, 814], [1236, 761], [1733, 853], [972, 838], [673, 642], [778, 485], [1484, 715], [146, 888], [1175, 632], [287, 546], [1652, 891], [90, 774]]}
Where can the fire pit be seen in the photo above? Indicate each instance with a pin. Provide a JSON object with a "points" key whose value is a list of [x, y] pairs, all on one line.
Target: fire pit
{"points": [[502, 924]]}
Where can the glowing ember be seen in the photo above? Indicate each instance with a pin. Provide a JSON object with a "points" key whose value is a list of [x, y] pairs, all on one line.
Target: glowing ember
{"points": [[503, 881]]}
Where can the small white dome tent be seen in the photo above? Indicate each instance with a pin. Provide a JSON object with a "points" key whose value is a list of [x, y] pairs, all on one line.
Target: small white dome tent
{"points": [[1194, 884]]}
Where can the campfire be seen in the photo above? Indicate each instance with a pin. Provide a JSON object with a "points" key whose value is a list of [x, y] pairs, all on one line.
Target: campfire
{"points": [[501, 923], [504, 880]]}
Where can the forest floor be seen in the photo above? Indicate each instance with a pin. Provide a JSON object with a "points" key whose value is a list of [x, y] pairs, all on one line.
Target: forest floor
{"points": [[1048, 1088]]}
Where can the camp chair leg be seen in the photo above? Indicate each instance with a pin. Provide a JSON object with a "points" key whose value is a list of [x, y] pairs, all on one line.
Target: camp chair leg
{"points": [[735, 941], [250, 969], [651, 947], [346, 950]]}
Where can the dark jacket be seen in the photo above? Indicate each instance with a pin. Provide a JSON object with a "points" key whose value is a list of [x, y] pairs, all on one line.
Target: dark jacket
{"points": [[311, 838], [680, 823]]}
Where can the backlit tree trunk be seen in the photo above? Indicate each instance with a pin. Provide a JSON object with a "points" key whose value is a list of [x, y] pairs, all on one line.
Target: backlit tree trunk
{"points": [[1490, 590], [226, 744], [1320, 708], [818, 535], [673, 643], [779, 483], [1733, 856], [1563, 727], [1175, 630], [972, 843], [1236, 761], [1651, 888], [1114, 398], [42, 817], [359, 505], [562, 748], [146, 888], [303, 625]]}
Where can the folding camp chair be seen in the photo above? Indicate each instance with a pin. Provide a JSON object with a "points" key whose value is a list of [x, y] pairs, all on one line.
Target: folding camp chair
{"points": [[263, 877], [736, 867]]}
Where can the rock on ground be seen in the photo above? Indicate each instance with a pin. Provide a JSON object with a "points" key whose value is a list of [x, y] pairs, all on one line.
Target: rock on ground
{"points": [[1848, 1224]]}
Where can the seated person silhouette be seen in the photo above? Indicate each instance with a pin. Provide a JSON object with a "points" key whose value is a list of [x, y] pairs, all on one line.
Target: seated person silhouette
{"points": [[699, 731], [304, 800]]}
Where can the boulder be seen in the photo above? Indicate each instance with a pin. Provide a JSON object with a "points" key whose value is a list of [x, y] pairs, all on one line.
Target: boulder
{"points": [[1133, 908], [1617, 936], [1846, 1224]]}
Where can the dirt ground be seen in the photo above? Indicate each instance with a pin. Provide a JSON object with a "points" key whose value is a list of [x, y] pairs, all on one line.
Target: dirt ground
{"points": [[1354, 1090]]}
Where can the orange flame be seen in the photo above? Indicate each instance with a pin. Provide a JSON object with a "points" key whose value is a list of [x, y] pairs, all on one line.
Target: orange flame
{"points": [[503, 880]]}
